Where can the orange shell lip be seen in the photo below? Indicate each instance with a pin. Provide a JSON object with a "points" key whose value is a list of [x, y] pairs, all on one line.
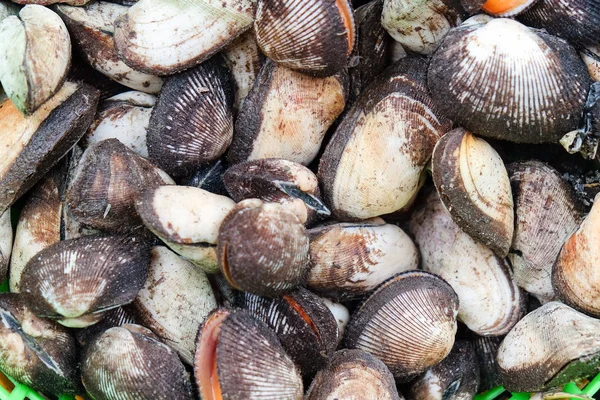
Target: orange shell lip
{"points": [[346, 15], [502, 7], [206, 357]]}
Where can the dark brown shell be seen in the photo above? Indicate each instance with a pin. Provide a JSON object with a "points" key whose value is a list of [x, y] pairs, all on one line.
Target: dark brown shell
{"points": [[315, 37], [192, 122], [487, 350], [6, 242], [208, 177], [113, 318], [130, 363], [409, 323]]}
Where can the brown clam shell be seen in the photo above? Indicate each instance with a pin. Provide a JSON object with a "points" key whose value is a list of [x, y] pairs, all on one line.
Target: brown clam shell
{"points": [[6, 242], [113, 318], [487, 350]]}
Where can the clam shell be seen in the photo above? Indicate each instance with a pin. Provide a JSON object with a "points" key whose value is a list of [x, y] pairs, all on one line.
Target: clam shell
{"points": [[353, 374], [31, 146], [129, 362], [49, 2], [502, 8], [409, 323], [591, 57], [36, 51], [192, 121], [349, 260], [382, 145], [7, 9], [80, 278], [92, 30], [6, 242], [174, 284], [286, 115], [503, 80], [474, 186], [341, 315], [490, 301], [208, 177], [549, 347], [141, 42], [487, 350], [113, 318], [315, 37]]}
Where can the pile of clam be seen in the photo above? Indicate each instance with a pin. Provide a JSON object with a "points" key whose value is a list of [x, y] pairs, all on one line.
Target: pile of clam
{"points": [[299, 199]]}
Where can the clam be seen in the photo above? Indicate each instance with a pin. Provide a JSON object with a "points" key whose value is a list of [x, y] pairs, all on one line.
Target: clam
{"points": [[6, 242], [409, 323], [106, 184], [49, 2], [162, 37], [174, 284], [7, 9], [474, 186], [37, 352], [263, 248], [548, 348], [372, 166], [113, 318], [74, 281], [31, 146], [591, 57], [353, 374], [130, 362], [340, 313], [487, 350], [186, 219], [239, 357], [286, 115], [92, 30], [315, 37], [192, 121], [490, 301], [502, 8], [348, 260], [209, 177], [546, 215], [303, 323], [503, 80], [36, 54]]}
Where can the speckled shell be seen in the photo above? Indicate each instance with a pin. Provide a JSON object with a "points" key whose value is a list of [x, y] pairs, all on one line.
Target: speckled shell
{"points": [[130, 363], [250, 362], [263, 248], [591, 57], [504, 80], [487, 350], [353, 374], [106, 184], [348, 260], [74, 280], [35, 351], [92, 30], [174, 301], [6, 242], [315, 37], [208, 177], [192, 122], [31, 146], [474, 186], [113, 318], [341, 315], [409, 323], [547, 213], [306, 328], [490, 301], [549, 347], [286, 115], [373, 163]]}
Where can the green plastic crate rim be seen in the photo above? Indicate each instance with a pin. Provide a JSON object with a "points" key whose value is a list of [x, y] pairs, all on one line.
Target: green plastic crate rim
{"points": [[22, 392]]}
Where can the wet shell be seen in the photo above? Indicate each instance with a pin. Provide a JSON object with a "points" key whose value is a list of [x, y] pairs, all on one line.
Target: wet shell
{"points": [[549, 347], [174, 301], [303, 323], [130, 363], [286, 115], [31, 146], [75, 280], [208, 177], [238, 357], [474, 186], [106, 183], [591, 57], [503, 80], [490, 301], [315, 37], [113, 318], [36, 51], [349, 260], [353, 374], [263, 248], [373, 163], [35, 351], [92, 30], [487, 350], [6, 242], [546, 215], [409, 323], [142, 44]]}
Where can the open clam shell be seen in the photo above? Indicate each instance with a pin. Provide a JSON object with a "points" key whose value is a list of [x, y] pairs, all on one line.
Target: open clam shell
{"points": [[474, 186], [141, 42], [315, 37], [36, 51], [409, 323], [286, 115]]}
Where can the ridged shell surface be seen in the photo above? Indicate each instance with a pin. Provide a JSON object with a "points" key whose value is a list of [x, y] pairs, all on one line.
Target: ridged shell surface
{"points": [[113, 318], [487, 350]]}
